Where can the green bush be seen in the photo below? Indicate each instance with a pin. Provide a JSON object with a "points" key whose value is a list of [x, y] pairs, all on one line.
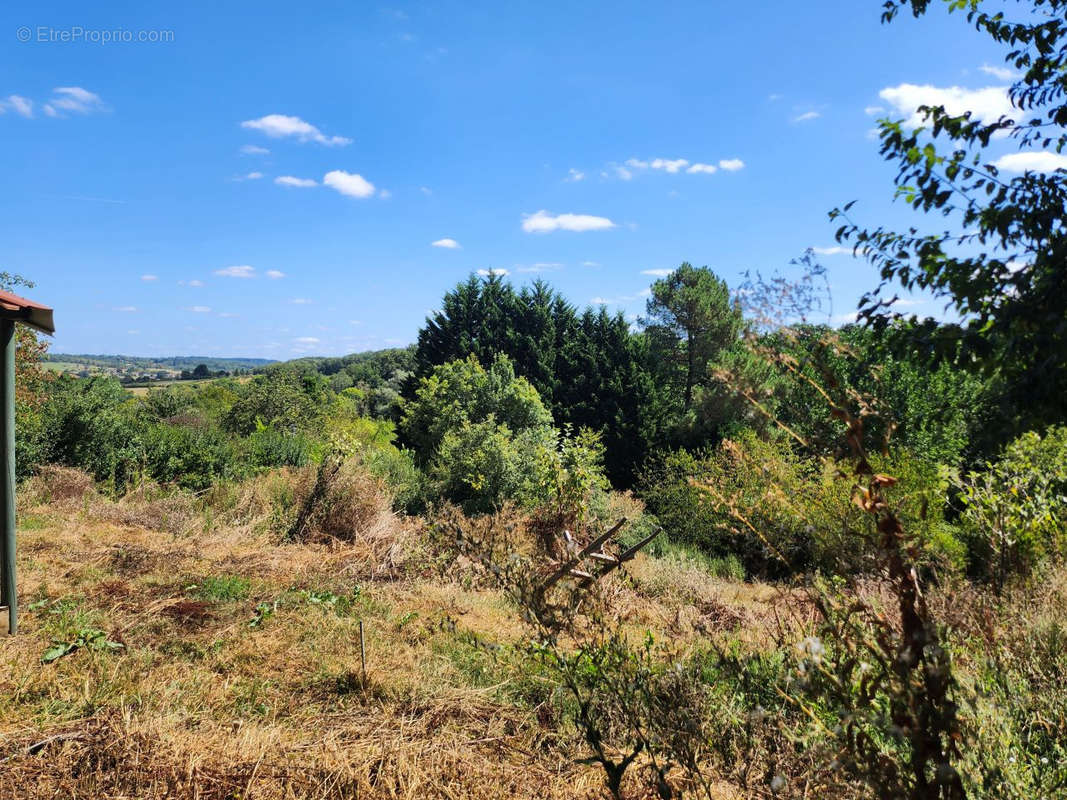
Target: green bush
{"points": [[782, 514], [191, 456], [460, 394], [1015, 512]]}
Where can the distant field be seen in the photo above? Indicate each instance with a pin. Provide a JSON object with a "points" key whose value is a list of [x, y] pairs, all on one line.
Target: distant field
{"points": [[63, 366], [143, 390]]}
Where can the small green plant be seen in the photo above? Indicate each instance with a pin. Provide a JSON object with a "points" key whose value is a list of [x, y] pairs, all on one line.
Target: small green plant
{"points": [[87, 638], [262, 613], [221, 588]]}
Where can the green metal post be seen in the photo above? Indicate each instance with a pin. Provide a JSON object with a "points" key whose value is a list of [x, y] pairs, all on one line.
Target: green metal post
{"points": [[7, 472]]}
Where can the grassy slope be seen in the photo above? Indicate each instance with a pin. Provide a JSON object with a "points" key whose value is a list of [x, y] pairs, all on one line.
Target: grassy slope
{"points": [[201, 703]]}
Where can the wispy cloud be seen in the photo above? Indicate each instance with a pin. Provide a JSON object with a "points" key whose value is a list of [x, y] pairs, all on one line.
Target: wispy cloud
{"points": [[20, 105], [574, 175], [545, 222], [807, 116], [306, 340], [348, 183], [73, 100], [254, 150], [540, 266], [200, 309], [871, 111], [240, 271], [448, 244], [1036, 161], [698, 168], [274, 274], [149, 278], [125, 309], [195, 283], [494, 271], [292, 181], [301, 301], [1000, 73], [731, 164], [280, 126], [658, 273]]}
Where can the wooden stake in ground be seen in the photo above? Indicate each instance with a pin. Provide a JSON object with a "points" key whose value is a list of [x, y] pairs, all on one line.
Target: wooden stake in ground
{"points": [[362, 656]]}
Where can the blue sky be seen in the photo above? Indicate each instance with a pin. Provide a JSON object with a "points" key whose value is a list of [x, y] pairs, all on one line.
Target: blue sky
{"points": [[270, 179]]}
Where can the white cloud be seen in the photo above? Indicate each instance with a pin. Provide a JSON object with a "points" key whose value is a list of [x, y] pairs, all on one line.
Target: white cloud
{"points": [[254, 150], [126, 309], [986, 105], [300, 183], [707, 169], [274, 274], [200, 309], [671, 165], [306, 340], [242, 271], [149, 277], [731, 164], [281, 126], [590, 263], [73, 99], [494, 271], [575, 175], [253, 176], [194, 283], [540, 266], [870, 111], [348, 183], [1039, 161], [448, 244], [659, 273], [807, 116], [20, 105], [1000, 73], [775, 97], [832, 251], [301, 301], [544, 222], [668, 164]]}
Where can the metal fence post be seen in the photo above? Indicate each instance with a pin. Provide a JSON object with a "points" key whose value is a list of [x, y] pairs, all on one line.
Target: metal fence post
{"points": [[7, 472]]}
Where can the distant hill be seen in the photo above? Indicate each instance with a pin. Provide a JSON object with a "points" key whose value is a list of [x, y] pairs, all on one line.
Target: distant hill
{"points": [[169, 364]]}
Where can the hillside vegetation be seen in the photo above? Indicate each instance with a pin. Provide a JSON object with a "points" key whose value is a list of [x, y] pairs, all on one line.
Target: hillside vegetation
{"points": [[724, 551]]}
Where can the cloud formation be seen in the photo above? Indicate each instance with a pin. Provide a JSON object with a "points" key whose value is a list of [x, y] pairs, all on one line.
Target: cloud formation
{"points": [[348, 183], [74, 100], [20, 105], [241, 271], [448, 244], [293, 181], [544, 222], [281, 126], [986, 105], [1036, 161]]}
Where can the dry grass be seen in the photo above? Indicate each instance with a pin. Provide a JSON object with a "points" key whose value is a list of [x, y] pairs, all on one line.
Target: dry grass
{"points": [[235, 667]]}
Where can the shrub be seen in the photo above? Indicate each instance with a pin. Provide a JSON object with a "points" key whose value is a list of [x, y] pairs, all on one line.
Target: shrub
{"points": [[780, 513], [268, 447], [1015, 513], [462, 393]]}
